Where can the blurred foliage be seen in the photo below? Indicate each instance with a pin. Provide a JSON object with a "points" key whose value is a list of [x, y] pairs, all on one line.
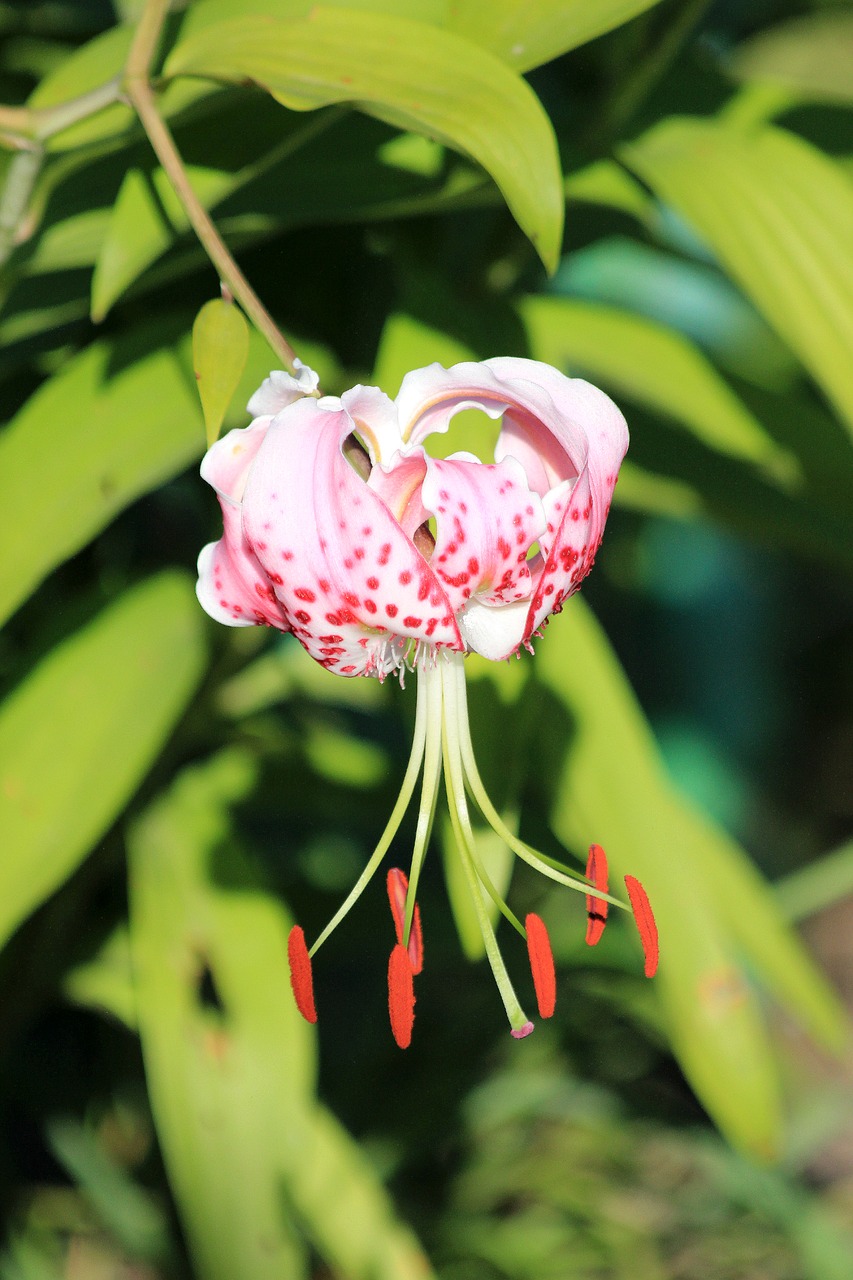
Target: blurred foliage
{"points": [[395, 177]]}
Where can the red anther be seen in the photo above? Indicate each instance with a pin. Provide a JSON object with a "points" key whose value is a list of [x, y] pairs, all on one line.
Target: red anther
{"points": [[645, 919], [401, 996], [398, 887], [300, 974], [541, 965], [596, 908]]}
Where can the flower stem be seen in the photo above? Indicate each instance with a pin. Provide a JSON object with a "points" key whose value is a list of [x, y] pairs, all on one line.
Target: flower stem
{"points": [[406, 790], [429, 680], [456, 804], [478, 791], [141, 95]]}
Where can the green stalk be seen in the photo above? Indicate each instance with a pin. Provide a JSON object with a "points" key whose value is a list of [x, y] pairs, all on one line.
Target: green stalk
{"points": [[141, 96]]}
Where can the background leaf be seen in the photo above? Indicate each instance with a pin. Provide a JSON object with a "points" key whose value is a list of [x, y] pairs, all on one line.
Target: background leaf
{"points": [[230, 1071], [777, 214], [79, 734], [412, 76], [125, 428], [654, 366], [712, 910], [220, 351]]}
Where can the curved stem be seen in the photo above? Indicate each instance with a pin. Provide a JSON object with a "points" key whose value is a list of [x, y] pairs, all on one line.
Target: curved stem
{"points": [[429, 679], [141, 97], [24, 169], [452, 693], [475, 785], [406, 791]]}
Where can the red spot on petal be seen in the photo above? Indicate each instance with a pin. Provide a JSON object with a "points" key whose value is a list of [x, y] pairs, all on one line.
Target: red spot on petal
{"points": [[541, 965], [302, 593], [401, 996], [645, 919], [391, 610], [300, 974], [398, 886], [596, 909], [410, 621], [373, 584], [405, 577]]}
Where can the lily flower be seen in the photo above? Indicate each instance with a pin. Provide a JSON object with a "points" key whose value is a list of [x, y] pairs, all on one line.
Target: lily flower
{"points": [[340, 528]]}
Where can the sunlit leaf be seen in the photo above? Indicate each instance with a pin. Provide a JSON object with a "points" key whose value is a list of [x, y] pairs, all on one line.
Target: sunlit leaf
{"points": [[230, 1062], [693, 298], [606, 183], [656, 367], [812, 56], [144, 222], [778, 214], [228, 1059], [79, 733], [410, 74], [220, 351], [716, 917], [85, 71], [96, 436], [521, 35], [526, 35]]}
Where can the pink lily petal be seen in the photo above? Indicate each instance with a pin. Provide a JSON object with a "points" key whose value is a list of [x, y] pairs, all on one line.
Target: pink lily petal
{"points": [[399, 486], [569, 439], [351, 582], [580, 409], [281, 389], [429, 398], [232, 587], [375, 418], [486, 521]]}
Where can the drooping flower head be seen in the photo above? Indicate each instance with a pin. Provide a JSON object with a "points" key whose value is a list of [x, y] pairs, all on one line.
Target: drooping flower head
{"points": [[341, 528]]}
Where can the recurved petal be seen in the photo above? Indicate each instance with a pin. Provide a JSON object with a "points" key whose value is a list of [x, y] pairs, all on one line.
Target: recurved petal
{"points": [[486, 521], [281, 389], [232, 586], [353, 585], [375, 417], [429, 398], [587, 424], [226, 464], [568, 548]]}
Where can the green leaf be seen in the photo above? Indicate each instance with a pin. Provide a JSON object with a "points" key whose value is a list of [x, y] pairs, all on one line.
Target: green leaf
{"points": [[229, 1082], [79, 734], [231, 1079], [656, 367], [778, 215], [694, 298], [811, 56], [521, 35], [98, 434], [409, 74], [220, 352], [606, 183], [716, 917], [145, 220], [85, 71], [127, 1212], [528, 34]]}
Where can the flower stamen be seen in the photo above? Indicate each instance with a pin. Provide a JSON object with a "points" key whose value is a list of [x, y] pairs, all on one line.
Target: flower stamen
{"points": [[541, 965], [301, 979], [646, 925], [398, 884], [401, 996], [596, 908]]}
